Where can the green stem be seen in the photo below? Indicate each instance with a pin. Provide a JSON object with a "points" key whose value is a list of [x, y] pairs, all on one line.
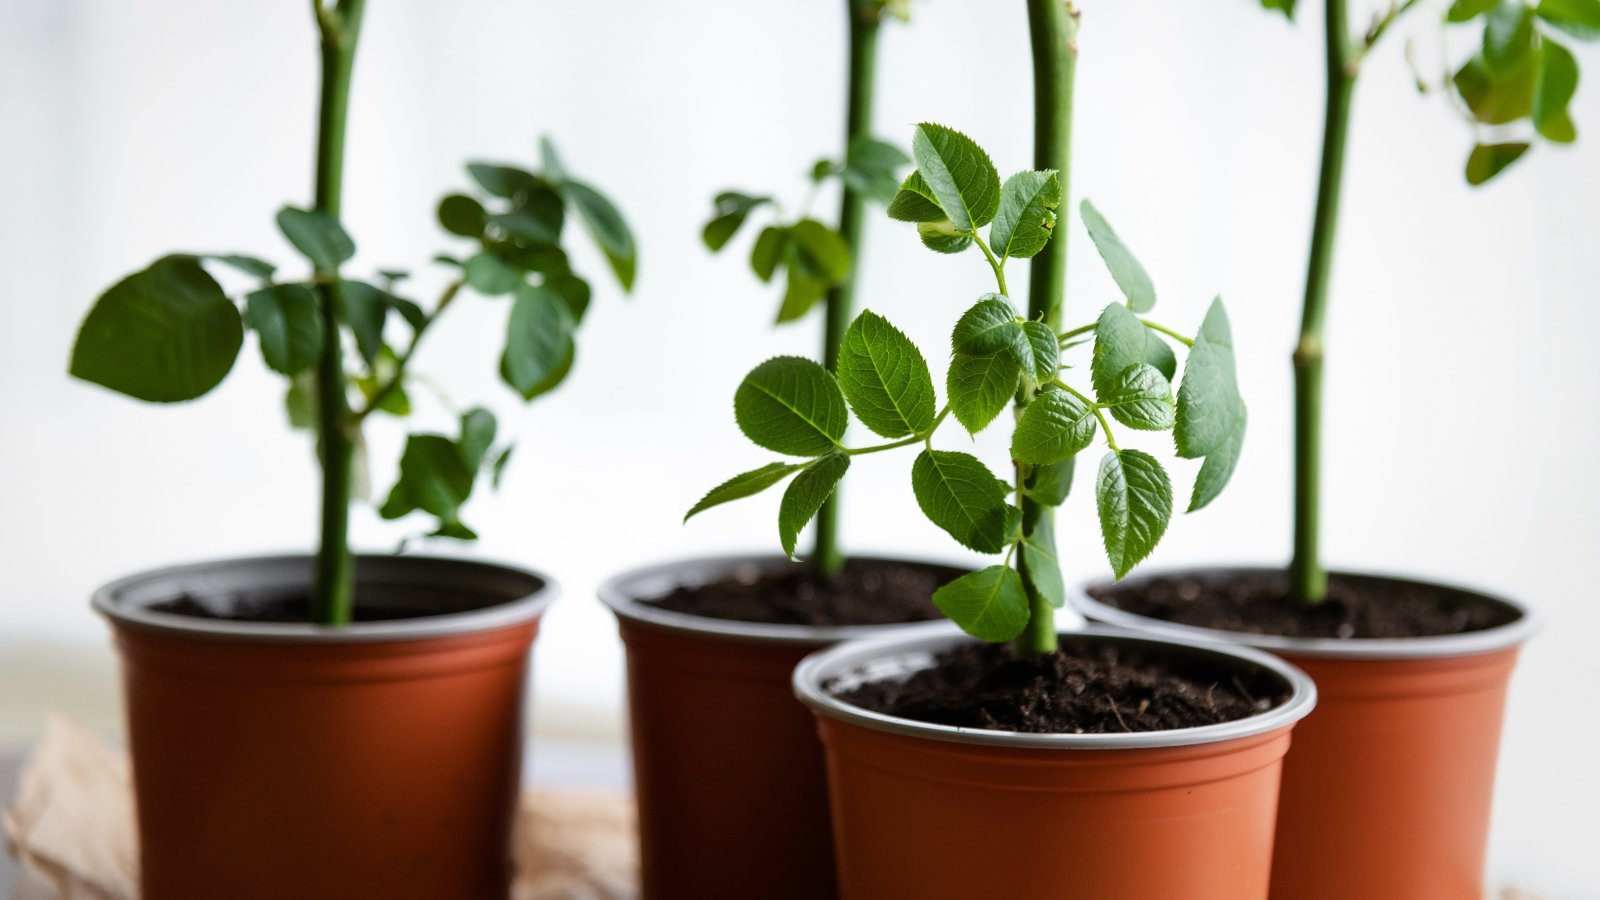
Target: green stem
{"points": [[1053, 28], [1308, 582], [1175, 335], [404, 360], [333, 594], [905, 441], [840, 303]]}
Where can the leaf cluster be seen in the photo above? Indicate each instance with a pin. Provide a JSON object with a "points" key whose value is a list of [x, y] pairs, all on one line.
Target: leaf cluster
{"points": [[171, 333]]}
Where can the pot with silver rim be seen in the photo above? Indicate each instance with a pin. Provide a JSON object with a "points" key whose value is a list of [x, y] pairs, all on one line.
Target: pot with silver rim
{"points": [[1387, 790], [279, 759], [935, 812], [728, 772]]}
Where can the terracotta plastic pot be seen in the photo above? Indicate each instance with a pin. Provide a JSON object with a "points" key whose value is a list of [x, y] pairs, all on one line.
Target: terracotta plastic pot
{"points": [[1386, 793], [932, 812], [728, 773], [379, 759]]}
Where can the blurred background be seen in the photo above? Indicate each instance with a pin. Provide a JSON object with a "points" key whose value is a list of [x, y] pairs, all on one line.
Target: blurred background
{"points": [[1462, 437]]}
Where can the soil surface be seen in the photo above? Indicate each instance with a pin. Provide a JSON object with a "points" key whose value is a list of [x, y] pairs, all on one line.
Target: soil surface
{"points": [[1091, 688], [276, 609], [1257, 602], [867, 592]]}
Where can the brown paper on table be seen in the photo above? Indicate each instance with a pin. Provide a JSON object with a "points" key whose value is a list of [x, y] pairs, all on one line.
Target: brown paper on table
{"points": [[71, 828]]}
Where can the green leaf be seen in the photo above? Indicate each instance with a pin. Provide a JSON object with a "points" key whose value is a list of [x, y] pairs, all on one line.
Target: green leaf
{"points": [[1508, 34], [1158, 354], [806, 494], [504, 181], [246, 264], [1027, 215], [1141, 397], [958, 493], [914, 202], [1466, 10], [1135, 503], [1051, 484], [528, 228], [1040, 567], [408, 310], [460, 214], [958, 174], [454, 531], [1045, 350], [990, 326], [1553, 90], [539, 346], [433, 478], [942, 237], [286, 319], [1579, 18], [731, 209], [803, 286], [574, 290], [477, 435], [823, 251], [884, 378], [988, 604], [498, 470], [743, 485], [1053, 428], [300, 401], [1120, 341], [163, 334], [1208, 398], [870, 166], [364, 308], [980, 387], [1498, 98], [1219, 466], [607, 226], [317, 235], [1125, 270], [1286, 6], [1489, 160], [490, 275], [770, 247], [791, 405]]}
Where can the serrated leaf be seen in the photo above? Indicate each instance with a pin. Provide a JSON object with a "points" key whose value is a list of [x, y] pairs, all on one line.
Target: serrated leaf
{"points": [[1053, 428], [1553, 90], [823, 251], [914, 202], [1120, 341], [1488, 160], [769, 249], [791, 405], [1051, 484], [1040, 568], [1027, 215], [1045, 347], [462, 215], [979, 387], [1497, 98], [1579, 18], [884, 378], [539, 344], [1508, 34], [490, 275], [285, 318], [988, 326], [958, 174], [1218, 467], [477, 435], [163, 334], [364, 308], [958, 493], [806, 494], [745, 484], [1141, 397], [942, 237], [730, 209], [1208, 398], [988, 604], [1134, 497], [1125, 270], [317, 235]]}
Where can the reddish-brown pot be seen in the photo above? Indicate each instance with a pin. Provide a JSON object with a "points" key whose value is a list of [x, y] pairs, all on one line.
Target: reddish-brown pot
{"points": [[275, 760], [728, 772], [931, 812], [1386, 793]]}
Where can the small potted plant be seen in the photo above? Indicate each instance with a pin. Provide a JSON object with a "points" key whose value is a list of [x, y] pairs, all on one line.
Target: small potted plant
{"points": [[1387, 791], [341, 726], [725, 760], [1031, 760]]}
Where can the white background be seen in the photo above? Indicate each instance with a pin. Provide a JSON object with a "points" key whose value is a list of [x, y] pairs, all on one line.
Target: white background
{"points": [[1462, 432]]}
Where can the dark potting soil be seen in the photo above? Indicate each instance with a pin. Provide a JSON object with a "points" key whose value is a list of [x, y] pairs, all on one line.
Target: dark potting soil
{"points": [[1257, 602], [867, 592], [275, 609], [1090, 688]]}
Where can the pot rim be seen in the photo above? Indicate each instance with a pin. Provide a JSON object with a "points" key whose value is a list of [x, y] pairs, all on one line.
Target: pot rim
{"points": [[615, 593], [892, 655], [1444, 646], [125, 601]]}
